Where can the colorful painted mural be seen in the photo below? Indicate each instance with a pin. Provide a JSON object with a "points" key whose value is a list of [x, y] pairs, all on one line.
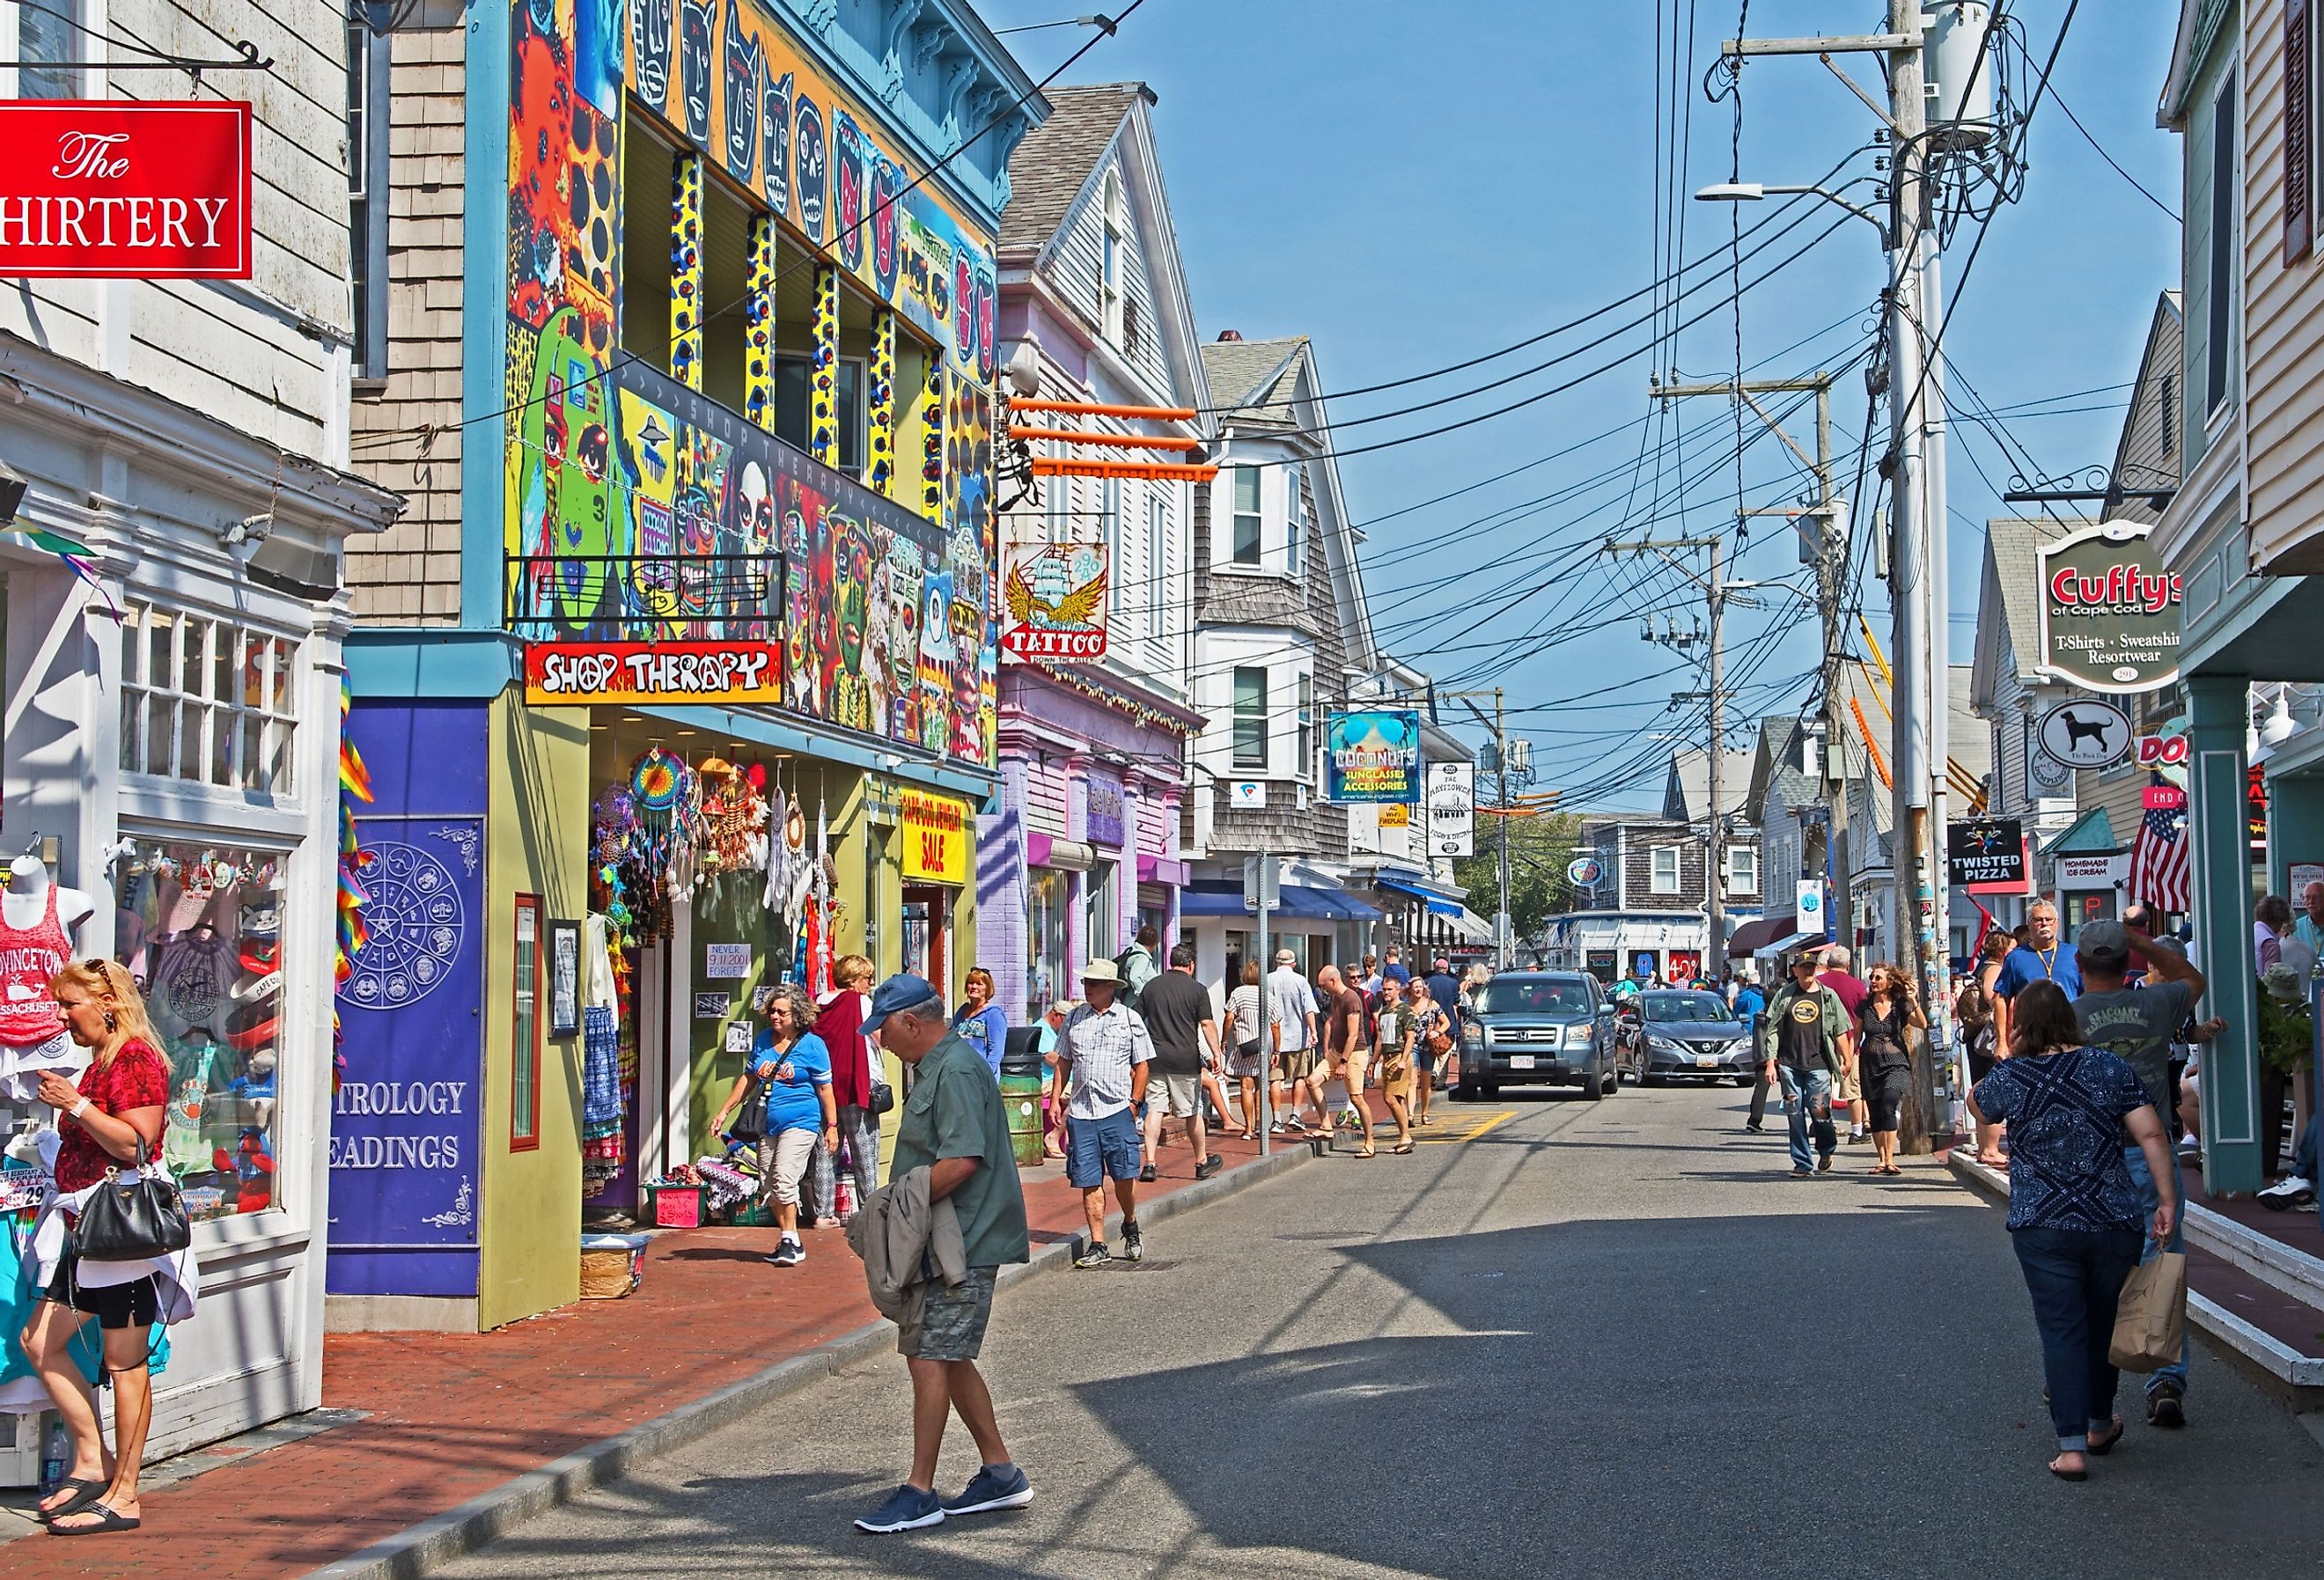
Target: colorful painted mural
{"points": [[746, 95], [638, 510]]}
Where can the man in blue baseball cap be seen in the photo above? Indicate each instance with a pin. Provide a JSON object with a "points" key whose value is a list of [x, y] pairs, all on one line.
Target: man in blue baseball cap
{"points": [[952, 1125]]}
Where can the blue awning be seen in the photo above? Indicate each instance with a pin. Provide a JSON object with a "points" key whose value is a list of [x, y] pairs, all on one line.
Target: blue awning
{"points": [[1440, 901], [1298, 901]]}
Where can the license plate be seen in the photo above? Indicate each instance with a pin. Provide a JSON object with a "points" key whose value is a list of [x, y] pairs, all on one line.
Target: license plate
{"points": [[1706, 1061], [1520, 1061]]}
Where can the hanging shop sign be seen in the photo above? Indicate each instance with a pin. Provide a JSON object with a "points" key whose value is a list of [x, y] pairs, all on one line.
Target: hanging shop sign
{"points": [[1395, 816], [1372, 757], [2161, 797], [1808, 909], [2088, 734], [1451, 809], [2163, 751], [1104, 820], [653, 671], [2110, 619], [1054, 600], [114, 190], [1583, 871], [935, 837], [1986, 850]]}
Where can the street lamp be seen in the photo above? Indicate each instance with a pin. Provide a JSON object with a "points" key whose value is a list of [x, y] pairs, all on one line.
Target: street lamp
{"points": [[1756, 191]]}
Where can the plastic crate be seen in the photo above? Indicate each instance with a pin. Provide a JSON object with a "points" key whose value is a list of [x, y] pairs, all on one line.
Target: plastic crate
{"points": [[676, 1207]]}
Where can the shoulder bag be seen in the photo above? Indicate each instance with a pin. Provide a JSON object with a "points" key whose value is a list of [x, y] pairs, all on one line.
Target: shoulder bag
{"points": [[750, 1120], [135, 1219], [1440, 1043]]}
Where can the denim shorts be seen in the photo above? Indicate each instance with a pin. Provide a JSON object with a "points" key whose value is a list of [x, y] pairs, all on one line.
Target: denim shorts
{"points": [[1098, 1149]]}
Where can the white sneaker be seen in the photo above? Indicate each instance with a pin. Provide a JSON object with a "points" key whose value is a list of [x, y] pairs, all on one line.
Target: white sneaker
{"points": [[2292, 1191]]}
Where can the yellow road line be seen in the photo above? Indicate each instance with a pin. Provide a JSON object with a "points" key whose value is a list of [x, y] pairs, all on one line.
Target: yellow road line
{"points": [[1503, 1117]]}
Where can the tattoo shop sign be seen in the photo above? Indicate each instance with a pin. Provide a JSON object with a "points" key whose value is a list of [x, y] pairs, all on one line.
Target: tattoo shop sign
{"points": [[2110, 619], [570, 672], [111, 189]]}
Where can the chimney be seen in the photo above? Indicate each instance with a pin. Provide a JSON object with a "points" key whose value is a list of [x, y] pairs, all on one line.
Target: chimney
{"points": [[1230, 334]]}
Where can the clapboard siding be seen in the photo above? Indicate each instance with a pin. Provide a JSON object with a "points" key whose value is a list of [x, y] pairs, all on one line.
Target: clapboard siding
{"points": [[408, 435], [1075, 265], [2284, 410]]}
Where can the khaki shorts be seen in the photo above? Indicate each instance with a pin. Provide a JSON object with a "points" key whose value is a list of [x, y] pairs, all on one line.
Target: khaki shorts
{"points": [[1173, 1096], [1847, 1088], [1298, 1064], [1359, 1066]]}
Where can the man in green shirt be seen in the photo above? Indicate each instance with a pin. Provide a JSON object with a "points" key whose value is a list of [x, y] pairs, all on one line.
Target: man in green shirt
{"points": [[952, 1125], [1800, 1046]]}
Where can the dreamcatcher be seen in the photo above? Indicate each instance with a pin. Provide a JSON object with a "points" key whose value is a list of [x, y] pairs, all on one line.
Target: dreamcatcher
{"points": [[661, 792]]}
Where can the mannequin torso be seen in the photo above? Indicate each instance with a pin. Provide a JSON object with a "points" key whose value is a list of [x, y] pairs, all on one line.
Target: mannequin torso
{"points": [[26, 900]]}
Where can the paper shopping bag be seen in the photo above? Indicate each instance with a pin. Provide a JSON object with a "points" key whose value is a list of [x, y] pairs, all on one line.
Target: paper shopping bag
{"points": [[2150, 1320]]}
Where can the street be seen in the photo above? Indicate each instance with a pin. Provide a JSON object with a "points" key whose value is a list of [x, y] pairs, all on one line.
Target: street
{"points": [[1609, 1336]]}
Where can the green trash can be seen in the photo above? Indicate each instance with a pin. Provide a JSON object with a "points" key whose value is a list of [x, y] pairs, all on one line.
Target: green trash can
{"points": [[1020, 1094]]}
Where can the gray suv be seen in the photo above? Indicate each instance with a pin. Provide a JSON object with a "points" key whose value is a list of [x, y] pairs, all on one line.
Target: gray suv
{"points": [[1539, 1029]]}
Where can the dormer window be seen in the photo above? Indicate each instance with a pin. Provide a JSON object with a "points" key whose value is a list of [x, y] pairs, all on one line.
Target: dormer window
{"points": [[1266, 519]]}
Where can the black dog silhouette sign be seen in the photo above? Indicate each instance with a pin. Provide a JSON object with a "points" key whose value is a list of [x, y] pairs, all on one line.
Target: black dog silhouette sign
{"points": [[2086, 734]]}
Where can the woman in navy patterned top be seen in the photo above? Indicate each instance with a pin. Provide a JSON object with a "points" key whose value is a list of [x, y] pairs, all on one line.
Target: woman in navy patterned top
{"points": [[2073, 1212]]}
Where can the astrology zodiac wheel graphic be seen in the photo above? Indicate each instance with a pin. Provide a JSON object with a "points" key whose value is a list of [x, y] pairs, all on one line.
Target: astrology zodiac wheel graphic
{"points": [[417, 926]]}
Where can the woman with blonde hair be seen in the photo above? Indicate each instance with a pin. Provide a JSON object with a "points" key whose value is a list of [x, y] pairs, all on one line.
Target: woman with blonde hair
{"points": [[110, 1119], [1250, 1043]]}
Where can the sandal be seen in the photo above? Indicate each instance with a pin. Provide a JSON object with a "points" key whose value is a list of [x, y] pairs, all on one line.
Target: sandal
{"points": [[84, 1493], [2068, 1475], [1399, 1150], [2098, 1450], [1366, 1152], [107, 1521]]}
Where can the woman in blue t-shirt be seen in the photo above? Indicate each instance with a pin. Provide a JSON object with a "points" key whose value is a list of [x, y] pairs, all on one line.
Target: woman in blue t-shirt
{"points": [[979, 1021], [793, 1068]]}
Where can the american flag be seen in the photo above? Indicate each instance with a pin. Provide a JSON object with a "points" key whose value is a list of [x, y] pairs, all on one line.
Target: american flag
{"points": [[2158, 858]]}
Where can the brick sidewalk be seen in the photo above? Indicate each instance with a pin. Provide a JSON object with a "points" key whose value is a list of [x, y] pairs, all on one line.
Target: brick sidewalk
{"points": [[450, 1416]]}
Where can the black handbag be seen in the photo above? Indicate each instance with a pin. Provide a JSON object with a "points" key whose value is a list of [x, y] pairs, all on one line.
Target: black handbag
{"points": [[133, 1220], [750, 1120], [883, 1097]]}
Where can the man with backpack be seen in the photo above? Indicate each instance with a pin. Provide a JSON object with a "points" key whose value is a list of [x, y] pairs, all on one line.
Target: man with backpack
{"points": [[1137, 964]]}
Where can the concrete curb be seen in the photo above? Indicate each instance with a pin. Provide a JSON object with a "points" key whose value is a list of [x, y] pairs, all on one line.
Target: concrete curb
{"points": [[2267, 1361], [417, 1549]]}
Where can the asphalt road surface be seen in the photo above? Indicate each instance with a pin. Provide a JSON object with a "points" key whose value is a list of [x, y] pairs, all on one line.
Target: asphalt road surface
{"points": [[1614, 1336]]}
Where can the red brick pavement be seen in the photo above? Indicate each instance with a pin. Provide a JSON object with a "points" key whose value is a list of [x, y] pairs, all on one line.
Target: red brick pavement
{"points": [[453, 1416]]}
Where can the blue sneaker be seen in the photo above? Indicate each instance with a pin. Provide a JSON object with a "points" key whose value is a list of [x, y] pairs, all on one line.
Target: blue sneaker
{"points": [[990, 1487], [908, 1509]]}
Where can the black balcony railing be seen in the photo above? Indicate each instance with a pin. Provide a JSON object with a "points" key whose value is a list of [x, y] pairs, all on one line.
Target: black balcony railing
{"points": [[699, 598]]}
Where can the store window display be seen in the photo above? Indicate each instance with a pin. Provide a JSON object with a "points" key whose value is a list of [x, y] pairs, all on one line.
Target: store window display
{"points": [[40, 923], [1045, 969], [200, 927]]}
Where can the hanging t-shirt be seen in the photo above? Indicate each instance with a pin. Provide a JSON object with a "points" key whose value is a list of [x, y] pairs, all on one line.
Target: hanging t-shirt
{"points": [[792, 1076], [191, 977]]}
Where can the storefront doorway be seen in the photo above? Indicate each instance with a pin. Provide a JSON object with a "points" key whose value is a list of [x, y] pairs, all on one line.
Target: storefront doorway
{"points": [[926, 911]]}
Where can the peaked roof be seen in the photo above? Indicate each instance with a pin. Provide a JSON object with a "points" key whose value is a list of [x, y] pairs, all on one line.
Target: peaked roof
{"points": [[1687, 793], [2005, 611], [1255, 381], [1054, 162]]}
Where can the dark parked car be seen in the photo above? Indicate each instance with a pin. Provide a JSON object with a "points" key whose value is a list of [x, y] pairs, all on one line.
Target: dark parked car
{"points": [[1683, 1033], [1539, 1029]]}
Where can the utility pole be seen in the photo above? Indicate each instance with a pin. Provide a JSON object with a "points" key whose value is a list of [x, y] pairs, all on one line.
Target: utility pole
{"points": [[1504, 925], [1914, 468], [1828, 512]]}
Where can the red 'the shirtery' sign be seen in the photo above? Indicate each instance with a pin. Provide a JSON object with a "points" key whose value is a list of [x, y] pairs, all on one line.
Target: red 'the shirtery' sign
{"points": [[109, 190]]}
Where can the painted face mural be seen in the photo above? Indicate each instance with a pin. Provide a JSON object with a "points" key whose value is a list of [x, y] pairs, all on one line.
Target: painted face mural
{"points": [[887, 193], [807, 168], [569, 504], [988, 307], [847, 179], [649, 29], [799, 633], [963, 320], [694, 18], [878, 675], [851, 569], [775, 114], [754, 510], [742, 99]]}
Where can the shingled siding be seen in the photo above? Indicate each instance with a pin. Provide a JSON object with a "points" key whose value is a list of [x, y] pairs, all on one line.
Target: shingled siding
{"points": [[411, 573]]}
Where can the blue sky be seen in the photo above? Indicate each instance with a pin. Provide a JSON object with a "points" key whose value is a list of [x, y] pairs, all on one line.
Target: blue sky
{"points": [[1412, 197]]}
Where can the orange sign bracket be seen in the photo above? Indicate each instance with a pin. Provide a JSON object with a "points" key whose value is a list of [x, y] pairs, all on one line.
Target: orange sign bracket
{"points": [[1151, 471], [1100, 409], [1128, 442]]}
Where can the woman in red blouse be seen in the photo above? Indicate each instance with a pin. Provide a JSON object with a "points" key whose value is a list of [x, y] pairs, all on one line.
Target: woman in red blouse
{"points": [[112, 1118]]}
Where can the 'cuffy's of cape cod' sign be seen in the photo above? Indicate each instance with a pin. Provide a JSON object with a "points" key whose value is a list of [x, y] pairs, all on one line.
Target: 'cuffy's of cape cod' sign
{"points": [[110, 190]]}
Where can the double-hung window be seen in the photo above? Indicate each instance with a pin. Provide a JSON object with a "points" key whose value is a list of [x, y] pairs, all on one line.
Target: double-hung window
{"points": [[1251, 718], [1158, 578], [1249, 536], [1307, 763], [1666, 870]]}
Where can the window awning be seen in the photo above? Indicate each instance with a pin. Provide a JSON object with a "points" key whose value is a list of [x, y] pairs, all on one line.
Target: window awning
{"points": [[1785, 945], [1471, 927], [1298, 901], [1440, 901], [1754, 935]]}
